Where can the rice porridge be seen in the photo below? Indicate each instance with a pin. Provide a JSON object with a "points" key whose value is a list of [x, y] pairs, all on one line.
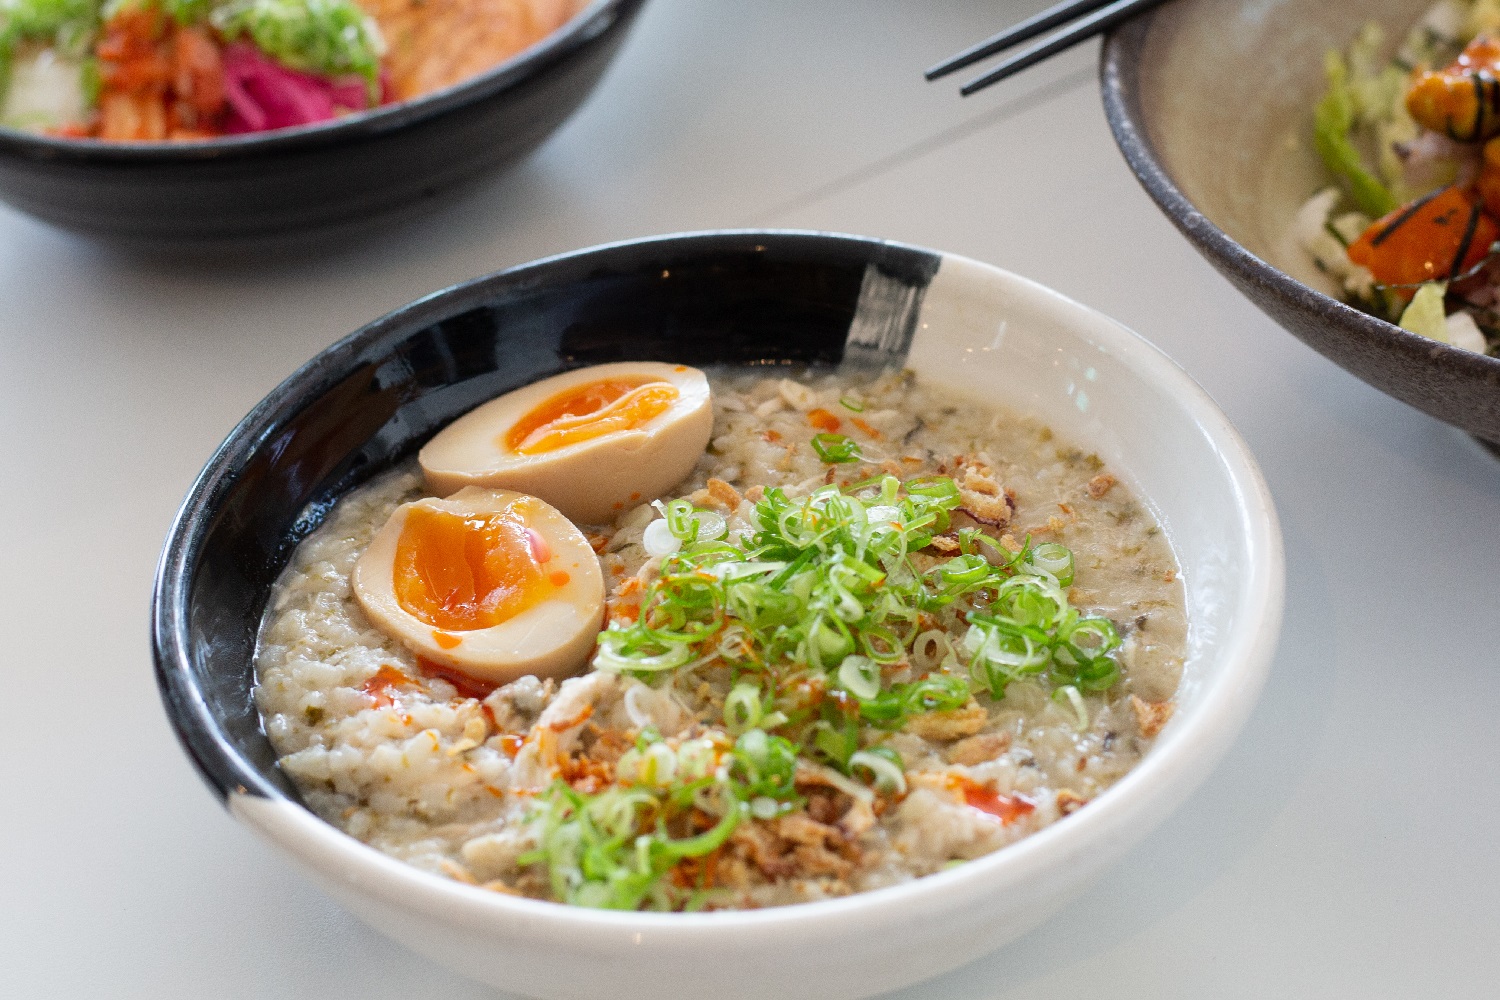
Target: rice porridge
{"points": [[879, 632]]}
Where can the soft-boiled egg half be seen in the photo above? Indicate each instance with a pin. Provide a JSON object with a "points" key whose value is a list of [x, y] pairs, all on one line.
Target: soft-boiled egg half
{"points": [[489, 582], [590, 442]]}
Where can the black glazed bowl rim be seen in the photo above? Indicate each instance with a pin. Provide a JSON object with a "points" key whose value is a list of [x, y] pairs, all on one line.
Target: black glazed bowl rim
{"points": [[595, 19], [1119, 73]]}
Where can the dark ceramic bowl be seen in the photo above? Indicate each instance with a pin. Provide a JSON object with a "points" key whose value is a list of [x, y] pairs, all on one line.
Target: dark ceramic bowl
{"points": [[320, 174], [757, 299], [1211, 103]]}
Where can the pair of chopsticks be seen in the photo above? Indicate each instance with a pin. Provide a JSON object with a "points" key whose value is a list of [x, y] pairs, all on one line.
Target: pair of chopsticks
{"points": [[1102, 15]]}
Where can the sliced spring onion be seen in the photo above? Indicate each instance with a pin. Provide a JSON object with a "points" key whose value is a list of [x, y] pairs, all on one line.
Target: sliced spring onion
{"points": [[887, 775], [930, 649], [659, 539], [1070, 696], [827, 583], [836, 449], [679, 515], [742, 709], [1054, 559], [850, 403], [860, 676]]}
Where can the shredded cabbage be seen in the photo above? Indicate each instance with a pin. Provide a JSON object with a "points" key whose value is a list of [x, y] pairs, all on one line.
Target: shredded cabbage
{"points": [[66, 25], [1333, 119], [46, 90], [1464, 332], [1425, 314]]}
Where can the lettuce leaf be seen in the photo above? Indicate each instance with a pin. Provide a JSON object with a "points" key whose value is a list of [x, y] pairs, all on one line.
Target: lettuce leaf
{"points": [[1425, 316], [1333, 119], [68, 25], [329, 37]]}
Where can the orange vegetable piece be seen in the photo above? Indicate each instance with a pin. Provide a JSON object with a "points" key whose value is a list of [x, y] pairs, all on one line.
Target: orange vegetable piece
{"points": [[1462, 100], [1435, 238], [823, 420], [1488, 182]]}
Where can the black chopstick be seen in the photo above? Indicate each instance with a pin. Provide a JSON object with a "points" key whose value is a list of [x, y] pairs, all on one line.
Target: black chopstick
{"points": [[1102, 18], [1027, 29]]}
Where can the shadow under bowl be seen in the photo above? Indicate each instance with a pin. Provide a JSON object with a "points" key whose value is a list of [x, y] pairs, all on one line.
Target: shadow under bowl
{"points": [[766, 300], [273, 182], [1211, 104]]}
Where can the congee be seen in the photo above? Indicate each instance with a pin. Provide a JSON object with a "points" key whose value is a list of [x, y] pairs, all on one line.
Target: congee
{"points": [[637, 637]]}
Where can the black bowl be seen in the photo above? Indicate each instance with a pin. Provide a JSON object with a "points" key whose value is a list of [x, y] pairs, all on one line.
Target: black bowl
{"points": [[1211, 103], [320, 174], [374, 398], [757, 299]]}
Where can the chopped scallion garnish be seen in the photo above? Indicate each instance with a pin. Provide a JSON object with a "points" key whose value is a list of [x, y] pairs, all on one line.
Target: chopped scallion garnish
{"points": [[822, 613], [836, 449]]}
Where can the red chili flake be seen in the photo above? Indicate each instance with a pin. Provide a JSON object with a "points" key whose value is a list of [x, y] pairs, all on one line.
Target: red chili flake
{"points": [[466, 686], [382, 684], [1007, 808]]}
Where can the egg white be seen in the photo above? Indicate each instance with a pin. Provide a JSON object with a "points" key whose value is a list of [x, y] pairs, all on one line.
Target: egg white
{"points": [[553, 638], [591, 481]]}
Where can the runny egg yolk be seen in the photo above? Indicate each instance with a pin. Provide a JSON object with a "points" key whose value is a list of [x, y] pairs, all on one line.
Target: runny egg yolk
{"points": [[584, 412], [461, 572]]}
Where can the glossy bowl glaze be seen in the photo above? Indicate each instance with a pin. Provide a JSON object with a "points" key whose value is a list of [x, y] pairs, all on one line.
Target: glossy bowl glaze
{"points": [[1211, 102], [272, 182], [740, 298]]}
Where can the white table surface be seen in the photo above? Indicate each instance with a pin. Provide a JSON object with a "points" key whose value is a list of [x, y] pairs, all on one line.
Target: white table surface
{"points": [[1347, 847]]}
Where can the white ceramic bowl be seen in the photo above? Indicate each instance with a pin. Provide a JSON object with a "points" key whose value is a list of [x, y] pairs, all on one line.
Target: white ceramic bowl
{"points": [[733, 297]]}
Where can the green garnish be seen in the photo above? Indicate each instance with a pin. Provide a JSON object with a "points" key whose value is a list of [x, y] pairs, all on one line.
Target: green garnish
{"points": [[936, 693], [329, 37], [1030, 630], [820, 613], [68, 26], [824, 597], [1333, 119], [850, 403], [181, 11], [836, 449], [612, 850]]}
